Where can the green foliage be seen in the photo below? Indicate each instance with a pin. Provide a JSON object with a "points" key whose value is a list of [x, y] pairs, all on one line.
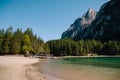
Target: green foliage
{"points": [[37, 44], [19, 42], [15, 42], [6, 40], [26, 43], [65, 47], [47, 48], [1, 39], [111, 48]]}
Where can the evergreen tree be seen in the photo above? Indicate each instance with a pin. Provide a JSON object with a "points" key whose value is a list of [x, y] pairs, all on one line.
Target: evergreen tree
{"points": [[1, 39], [40, 45], [46, 48], [80, 43], [6, 40], [63, 47], [26, 43], [16, 40], [37, 44], [14, 43], [29, 32]]}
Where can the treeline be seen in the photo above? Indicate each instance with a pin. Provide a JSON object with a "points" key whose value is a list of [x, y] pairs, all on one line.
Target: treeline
{"points": [[65, 47], [19, 42]]}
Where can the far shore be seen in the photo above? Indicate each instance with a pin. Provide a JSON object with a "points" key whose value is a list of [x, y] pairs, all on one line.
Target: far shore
{"points": [[55, 57]]}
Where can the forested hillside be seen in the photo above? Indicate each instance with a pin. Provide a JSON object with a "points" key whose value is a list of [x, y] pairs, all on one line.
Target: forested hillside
{"points": [[65, 47], [18, 42]]}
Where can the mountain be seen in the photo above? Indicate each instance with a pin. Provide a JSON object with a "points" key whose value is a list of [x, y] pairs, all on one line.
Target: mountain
{"points": [[105, 25], [80, 24]]}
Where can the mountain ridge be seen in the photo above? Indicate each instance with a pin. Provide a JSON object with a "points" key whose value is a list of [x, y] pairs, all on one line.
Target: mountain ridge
{"points": [[104, 27], [80, 24]]}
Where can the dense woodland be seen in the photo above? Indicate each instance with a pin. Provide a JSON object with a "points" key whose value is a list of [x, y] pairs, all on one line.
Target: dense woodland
{"points": [[18, 42], [65, 47]]}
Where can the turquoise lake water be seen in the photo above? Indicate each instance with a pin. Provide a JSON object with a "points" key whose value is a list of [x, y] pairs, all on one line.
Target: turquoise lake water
{"points": [[83, 68]]}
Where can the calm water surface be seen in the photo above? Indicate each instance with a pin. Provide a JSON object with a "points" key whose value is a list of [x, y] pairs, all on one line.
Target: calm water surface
{"points": [[89, 68]]}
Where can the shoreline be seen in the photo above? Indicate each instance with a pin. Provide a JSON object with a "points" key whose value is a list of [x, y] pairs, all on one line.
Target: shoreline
{"points": [[55, 70], [33, 73], [60, 57], [22, 68]]}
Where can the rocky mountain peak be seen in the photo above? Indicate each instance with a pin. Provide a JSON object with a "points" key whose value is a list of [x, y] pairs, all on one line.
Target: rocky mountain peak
{"points": [[91, 9], [106, 25], [80, 24], [88, 17], [91, 12]]}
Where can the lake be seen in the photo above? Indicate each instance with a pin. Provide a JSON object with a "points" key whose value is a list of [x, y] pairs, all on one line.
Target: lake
{"points": [[83, 68]]}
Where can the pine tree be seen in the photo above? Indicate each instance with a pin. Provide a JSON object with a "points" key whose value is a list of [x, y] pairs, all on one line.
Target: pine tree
{"points": [[29, 32], [6, 40], [1, 39], [46, 48], [26, 44], [16, 40], [37, 44]]}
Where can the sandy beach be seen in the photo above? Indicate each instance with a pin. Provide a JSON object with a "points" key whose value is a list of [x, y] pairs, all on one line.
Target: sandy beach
{"points": [[21, 68], [15, 67]]}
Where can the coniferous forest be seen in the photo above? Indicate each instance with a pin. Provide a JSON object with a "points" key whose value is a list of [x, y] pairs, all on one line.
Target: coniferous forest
{"points": [[68, 47], [18, 42]]}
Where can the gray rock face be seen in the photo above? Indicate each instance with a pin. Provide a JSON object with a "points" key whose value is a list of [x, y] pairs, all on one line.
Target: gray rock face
{"points": [[106, 26], [80, 24]]}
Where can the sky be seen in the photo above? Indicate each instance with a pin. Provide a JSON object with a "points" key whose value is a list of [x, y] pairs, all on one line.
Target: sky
{"points": [[47, 18]]}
